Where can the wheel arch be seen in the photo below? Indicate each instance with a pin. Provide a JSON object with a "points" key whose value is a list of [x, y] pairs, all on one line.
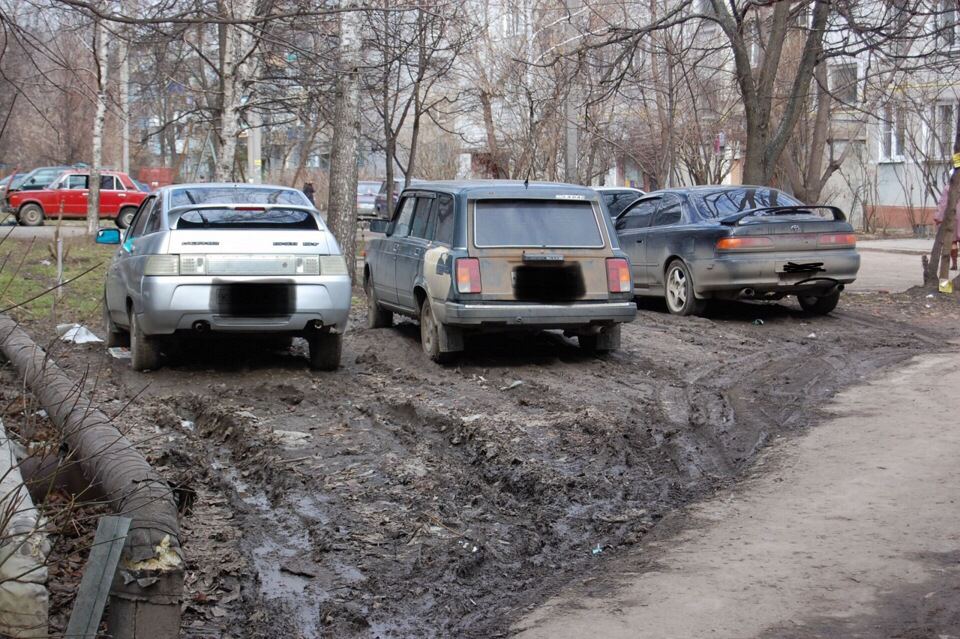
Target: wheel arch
{"points": [[419, 294], [29, 202]]}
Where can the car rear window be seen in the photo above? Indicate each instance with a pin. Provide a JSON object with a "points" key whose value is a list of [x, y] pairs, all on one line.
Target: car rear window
{"points": [[279, 219], [725, 202], [542, 223], [236, 195]]}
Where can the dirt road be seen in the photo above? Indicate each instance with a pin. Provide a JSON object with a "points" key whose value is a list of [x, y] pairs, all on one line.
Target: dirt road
{"points": [[852, 530], [397, 498]]}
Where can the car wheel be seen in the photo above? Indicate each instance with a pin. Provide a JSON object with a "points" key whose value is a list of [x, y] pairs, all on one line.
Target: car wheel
{"points": [[144, 349], [678, 290], [819, 304], [125, 217], [325, 350], [31, 215], [376, 316], [429, 335], [115, 336]]}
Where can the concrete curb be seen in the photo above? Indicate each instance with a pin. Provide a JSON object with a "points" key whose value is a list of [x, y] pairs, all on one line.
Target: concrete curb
{"points": [[24, 598]]}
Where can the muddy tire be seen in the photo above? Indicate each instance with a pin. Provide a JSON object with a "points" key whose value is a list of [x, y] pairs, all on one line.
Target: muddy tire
{"points": [[429, 335], [31, 215], [376, 316], [678, 290], [819, 305], [115, 336], [599, 343], [125, 217], [325, 351], [144, 349]]}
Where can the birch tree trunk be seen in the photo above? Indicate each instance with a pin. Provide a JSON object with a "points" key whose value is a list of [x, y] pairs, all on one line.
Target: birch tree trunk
{"points": [[236, 72], [342, 197], [96, 160]]}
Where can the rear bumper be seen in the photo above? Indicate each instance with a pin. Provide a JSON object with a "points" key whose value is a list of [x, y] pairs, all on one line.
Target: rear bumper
{"points": [[760, 272], [170, 304], [520, 315]]}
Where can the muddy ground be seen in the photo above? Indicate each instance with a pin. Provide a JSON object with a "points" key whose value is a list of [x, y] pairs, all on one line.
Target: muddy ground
{"points": [[398, 498]]}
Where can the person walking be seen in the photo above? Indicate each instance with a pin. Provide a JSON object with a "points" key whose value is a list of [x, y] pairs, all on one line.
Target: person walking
{"points": [[938, 218], [308, 191]]}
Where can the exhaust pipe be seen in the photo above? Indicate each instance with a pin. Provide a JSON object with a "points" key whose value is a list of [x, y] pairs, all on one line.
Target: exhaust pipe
{"points": [[747, 292], [201, 326]]}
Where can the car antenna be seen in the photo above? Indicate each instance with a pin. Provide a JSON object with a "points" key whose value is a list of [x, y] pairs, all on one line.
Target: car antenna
{"points": [[526, 180]]}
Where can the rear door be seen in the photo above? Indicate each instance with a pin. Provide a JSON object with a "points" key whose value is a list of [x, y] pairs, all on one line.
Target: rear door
{"points": [[632, 228], [539, 250], [664, 237], [385, 266], [121, 280], [413, 247], [109, 196]]}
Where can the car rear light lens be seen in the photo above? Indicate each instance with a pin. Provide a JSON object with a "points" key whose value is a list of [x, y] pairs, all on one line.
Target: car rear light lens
{"points": [[332, 265], [162, 265], [744, 243], [468, 275], [618, 275], [193, 264], [837, 240]]}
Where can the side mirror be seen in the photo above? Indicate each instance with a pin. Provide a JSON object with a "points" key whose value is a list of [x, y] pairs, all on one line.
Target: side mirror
{"points": [[379, 226], [108, 236]]}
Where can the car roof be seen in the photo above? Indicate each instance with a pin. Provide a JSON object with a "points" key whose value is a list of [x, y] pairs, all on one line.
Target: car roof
{"points": [[619, 188], [505, 188], [220, 185], [87, 172]]}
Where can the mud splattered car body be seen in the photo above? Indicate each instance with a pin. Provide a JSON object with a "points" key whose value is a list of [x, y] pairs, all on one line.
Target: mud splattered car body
{"points": [[499, 255], [737, 242], [226, 258]]}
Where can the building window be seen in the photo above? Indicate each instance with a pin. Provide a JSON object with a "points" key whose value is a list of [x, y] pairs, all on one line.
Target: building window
{"points": [[892, 134], [943, 127], [948, 29], [843, 83]]}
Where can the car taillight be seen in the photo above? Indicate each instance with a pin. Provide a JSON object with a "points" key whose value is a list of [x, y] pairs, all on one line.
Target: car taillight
{"points": [[744, 243], [329, 265], [468, 275], [618, 275], [837, 240], [162, 265]]}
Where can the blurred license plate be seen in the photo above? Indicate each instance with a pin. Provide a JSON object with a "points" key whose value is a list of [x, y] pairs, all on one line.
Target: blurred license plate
{"points": [[256, 300]]}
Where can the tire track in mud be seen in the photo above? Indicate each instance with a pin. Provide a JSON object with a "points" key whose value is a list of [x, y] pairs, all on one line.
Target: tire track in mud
{"points": [[426, 501]]}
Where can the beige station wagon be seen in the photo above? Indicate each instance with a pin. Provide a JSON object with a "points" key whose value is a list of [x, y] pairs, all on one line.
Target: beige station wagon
{"points": [[499, 256]]}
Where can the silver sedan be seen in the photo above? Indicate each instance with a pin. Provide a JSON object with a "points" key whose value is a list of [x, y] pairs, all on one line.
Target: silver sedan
{"points": [[225, 258]]}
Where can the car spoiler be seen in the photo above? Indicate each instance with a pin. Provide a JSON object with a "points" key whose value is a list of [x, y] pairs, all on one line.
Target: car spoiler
{"points": [[732, 220], [176, 211]]}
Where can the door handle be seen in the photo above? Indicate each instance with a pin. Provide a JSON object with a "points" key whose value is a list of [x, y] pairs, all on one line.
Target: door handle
{"points": [[416, 252], [396, 247], [640, 241]]}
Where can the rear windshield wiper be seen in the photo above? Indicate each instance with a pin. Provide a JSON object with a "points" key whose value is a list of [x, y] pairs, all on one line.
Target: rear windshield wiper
{"points": [[734, 219]]}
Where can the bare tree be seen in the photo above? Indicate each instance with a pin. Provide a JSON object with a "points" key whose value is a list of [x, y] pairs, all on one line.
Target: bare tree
{"points": [[96, 159], [341, 207]]}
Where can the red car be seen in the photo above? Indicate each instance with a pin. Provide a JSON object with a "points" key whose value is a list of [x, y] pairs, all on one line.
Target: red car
{"points": [[67, 195]]}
